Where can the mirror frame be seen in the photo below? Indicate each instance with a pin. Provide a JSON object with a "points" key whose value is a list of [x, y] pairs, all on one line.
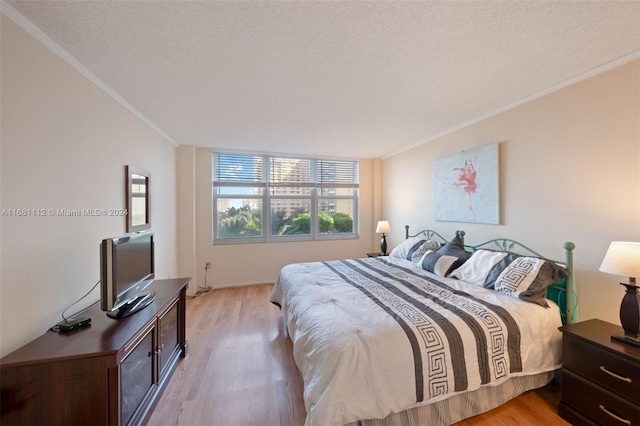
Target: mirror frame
{"points": [[130, 171]]}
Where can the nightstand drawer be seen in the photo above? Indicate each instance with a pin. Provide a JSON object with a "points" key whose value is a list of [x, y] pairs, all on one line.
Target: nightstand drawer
{"points": [[604, 368], [597, 403]]}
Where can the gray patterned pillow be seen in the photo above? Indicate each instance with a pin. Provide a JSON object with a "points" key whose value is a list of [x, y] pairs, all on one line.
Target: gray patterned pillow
{"points": [[528, 278], [432, 245], [416, 251], [523, 277]]}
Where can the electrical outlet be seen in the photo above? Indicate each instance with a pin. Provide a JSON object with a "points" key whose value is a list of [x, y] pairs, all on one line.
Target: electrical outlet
{"points": [[207, 266]]}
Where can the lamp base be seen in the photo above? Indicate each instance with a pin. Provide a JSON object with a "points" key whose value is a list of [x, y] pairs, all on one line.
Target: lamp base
{"points": [[625, 338], [383, 246], [630, 316]]}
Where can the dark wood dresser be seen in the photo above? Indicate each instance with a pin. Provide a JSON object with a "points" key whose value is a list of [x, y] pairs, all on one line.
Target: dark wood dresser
{"points": [[110, 373], [600, 377]]}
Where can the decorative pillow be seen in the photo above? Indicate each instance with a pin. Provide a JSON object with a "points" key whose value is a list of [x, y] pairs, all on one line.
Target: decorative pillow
{"points": [[528, 278], [419, 249], [477, 268], [416, 252], [455, 248], [432, 245], [437, 263], [402, 250], [483, 267]]}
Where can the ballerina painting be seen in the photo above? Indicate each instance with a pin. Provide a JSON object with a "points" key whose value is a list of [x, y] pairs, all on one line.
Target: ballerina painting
{"points": [[466, 186], [467, 180]]}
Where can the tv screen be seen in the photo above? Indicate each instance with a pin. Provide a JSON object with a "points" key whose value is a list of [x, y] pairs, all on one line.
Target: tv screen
{"points": [[126, 269]]}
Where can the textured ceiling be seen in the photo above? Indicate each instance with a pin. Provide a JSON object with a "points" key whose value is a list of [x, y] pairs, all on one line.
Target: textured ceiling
{"points": [[346, 79]]}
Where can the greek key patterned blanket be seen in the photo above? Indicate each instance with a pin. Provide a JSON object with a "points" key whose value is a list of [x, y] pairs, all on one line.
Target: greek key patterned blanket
{"points": [[436, 344], [374, 336]]}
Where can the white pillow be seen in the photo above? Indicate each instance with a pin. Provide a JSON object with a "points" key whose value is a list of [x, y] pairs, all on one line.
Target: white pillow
{"points": [[403, 249], [476, 269]]}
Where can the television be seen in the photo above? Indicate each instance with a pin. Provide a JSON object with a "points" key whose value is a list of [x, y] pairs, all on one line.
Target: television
{"points": [[126, 269]]}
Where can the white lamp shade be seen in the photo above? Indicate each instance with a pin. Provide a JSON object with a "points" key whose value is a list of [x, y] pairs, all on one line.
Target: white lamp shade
{"points": [[622, 258], [383, 227]]}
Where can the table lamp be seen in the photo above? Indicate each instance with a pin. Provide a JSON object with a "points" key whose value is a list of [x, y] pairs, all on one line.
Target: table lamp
{"points": [[623, 258], [383, 228]]}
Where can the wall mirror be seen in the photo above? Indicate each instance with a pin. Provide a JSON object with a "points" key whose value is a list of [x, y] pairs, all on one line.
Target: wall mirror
{"points": [[138, 204]]}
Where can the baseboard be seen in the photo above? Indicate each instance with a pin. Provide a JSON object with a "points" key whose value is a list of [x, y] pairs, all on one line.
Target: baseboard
{"points": [[230, 285], [242, 284]]}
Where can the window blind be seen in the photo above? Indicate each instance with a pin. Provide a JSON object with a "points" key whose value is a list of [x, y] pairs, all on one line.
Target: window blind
{"points": [[238, 168], [339, 172]]}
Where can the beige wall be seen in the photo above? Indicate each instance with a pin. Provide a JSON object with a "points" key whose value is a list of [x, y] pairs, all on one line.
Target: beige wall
{"points": [[65, 144], [569, 171], [243, 264]]}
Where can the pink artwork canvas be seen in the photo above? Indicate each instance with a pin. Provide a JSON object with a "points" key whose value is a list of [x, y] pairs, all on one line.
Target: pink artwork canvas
{"points": [[466, 186]]}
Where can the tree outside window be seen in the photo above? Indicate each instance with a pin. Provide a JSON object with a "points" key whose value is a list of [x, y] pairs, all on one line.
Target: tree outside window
{"points": [[297, 198]]}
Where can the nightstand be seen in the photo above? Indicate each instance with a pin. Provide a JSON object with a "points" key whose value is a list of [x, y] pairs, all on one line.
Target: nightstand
{"points": [[376, 254], [600, 377]]}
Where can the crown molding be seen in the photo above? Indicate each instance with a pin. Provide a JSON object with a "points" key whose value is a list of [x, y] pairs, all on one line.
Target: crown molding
{"points": [[568, 82], [28, 26]]}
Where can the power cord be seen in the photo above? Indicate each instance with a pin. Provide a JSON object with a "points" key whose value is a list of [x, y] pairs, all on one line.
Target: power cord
{"points": [[65, 318], [206, 289]]}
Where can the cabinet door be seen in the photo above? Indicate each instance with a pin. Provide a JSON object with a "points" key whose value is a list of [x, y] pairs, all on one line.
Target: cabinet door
{"points": [[136, 376], [168, 336], [66, 392]]}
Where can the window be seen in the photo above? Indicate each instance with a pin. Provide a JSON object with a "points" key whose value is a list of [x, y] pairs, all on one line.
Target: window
{"points": [[265, 198]]}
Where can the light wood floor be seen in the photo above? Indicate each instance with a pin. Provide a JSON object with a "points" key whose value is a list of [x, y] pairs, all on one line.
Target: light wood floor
{"points": [[240, 371]]}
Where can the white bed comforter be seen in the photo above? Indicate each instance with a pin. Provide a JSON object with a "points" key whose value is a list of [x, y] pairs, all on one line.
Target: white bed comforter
{"points": [[380, 335]]}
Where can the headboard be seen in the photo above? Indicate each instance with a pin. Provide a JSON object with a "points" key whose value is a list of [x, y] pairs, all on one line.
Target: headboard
{"points": [[562, 292], [429, 234]]}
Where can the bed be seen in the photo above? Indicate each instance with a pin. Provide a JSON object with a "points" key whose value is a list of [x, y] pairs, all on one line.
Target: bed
{"points": [[431, 334]]}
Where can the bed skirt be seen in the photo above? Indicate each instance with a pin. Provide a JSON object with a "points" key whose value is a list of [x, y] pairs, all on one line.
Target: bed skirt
{"points": [[464, 405]]}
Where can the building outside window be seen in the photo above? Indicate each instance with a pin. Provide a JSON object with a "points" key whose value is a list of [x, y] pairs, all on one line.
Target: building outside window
{"points": [[266, 198]]}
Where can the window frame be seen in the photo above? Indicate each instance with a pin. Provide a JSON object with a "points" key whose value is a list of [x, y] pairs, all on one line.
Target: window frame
{"points": [[314, 198]]}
